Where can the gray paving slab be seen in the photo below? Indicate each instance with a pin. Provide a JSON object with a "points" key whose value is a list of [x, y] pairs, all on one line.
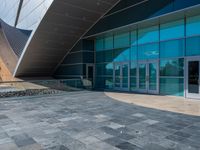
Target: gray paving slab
{"points": [[91, 120]]}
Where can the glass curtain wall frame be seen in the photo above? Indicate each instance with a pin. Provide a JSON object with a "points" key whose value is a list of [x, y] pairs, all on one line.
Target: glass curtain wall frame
{"points": [[184, 45]]}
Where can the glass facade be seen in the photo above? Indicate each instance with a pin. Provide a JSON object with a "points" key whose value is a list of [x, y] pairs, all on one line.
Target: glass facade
{"points": [[153, 54], [148, 35], [172, 76], [172, 30]]}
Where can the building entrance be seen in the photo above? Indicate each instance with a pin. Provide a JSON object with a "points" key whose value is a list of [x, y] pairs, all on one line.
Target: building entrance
{"points": [[193, 78], [148, 77], [121, 76]]}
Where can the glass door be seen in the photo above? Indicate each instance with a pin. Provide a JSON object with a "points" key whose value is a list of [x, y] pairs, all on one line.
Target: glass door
{"points": [[142, 71], [193, 78], [125, 76], [148, 73], [121, 76], [117, 76], [153, 77]]}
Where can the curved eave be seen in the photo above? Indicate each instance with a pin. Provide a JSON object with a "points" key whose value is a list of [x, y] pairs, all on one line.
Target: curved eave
{"points": [[63, 25]]}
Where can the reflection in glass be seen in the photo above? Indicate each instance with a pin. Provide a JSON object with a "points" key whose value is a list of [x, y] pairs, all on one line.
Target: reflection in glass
{"points": [[99, 83], [108, 42], [133, 52], [133, 83], [125, 75], [142, 76], [109, 82], [172, 67], [109, 69], [148, 35], [193, 46], [121, 75], [172, 86], [99, 69], [148, 51], [133, 38], [125, 70], [192, 26], [117, 75], [121, 40], [100, 56], [117, 70], [172, 30], [133, 69], [193, 77], [152, 76], [99, 44], [174, 48], [121, 55], [108, 56]]}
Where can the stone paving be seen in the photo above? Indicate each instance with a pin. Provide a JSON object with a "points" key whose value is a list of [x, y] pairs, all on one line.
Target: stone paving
{"points": [[92, 121]]}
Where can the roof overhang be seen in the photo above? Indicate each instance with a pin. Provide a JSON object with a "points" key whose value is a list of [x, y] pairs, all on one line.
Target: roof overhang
{"points": [[64, 24]]}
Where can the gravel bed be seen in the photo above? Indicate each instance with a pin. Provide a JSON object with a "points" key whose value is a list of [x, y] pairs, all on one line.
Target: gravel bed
{"points": [[29, 92]]}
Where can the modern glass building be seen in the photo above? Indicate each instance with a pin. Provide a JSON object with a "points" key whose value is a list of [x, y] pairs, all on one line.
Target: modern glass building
{"points": [[157, 55], [144, 46]]}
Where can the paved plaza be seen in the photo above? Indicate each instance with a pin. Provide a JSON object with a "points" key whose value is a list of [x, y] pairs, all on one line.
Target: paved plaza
{"points": [[92, 121]]}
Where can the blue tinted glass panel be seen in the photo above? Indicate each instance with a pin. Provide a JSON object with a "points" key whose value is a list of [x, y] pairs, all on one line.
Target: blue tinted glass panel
{"points": [[148, 51], [172, 67], [121, 40], [99, 44], [121, 54], [88, 45], [193, 46], [148, 35], [133, 37], [99, 56], [133, 69], [133, 53], [99, 83], [172, 30], [108, 55], [175, 48], [172, 86], [109, 42], [108, 69], [133, 84], [193, 26], [100, 69], [108, 82]]}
